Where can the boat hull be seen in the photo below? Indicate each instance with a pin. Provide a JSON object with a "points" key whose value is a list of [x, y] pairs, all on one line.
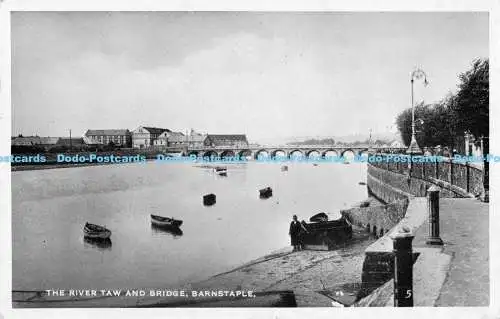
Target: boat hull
{"points": [[165, 222], [266, 192], [326, 235], [209, 199], [98, 236], [91, 231]]}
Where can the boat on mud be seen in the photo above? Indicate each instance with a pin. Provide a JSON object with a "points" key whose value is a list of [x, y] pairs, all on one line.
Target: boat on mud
{"points": [[221, 171], [321, 217], [323, 234], [209, 199], [165, 221], [93, 231], [266, 192]]}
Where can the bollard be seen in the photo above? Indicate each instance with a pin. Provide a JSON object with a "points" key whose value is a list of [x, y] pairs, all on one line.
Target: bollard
{"points": [[433, 208], [403, 268]]}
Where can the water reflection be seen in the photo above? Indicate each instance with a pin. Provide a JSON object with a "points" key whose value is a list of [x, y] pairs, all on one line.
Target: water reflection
{"points": [[175, 232], [100, 244]]}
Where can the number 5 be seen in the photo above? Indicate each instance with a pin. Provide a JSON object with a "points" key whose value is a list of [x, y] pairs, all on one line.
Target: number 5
{"points": [[408, 293]]}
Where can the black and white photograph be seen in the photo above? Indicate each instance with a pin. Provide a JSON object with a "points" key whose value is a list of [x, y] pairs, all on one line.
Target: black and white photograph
{"points": [[249, 159]]}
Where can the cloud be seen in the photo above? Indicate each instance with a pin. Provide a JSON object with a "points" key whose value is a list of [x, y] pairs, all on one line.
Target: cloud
{"points": [[261, 74]]}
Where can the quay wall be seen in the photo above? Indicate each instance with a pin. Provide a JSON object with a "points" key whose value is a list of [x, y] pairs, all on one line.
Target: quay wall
{"points": [[403, 187]]}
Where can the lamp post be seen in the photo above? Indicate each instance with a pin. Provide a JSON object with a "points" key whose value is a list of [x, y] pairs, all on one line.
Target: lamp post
{"points": [[415, 75]]}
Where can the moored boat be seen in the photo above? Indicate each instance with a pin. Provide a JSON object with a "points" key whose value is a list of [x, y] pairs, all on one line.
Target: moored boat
{"points": [[327, 234], [266, 192], [221, 171], [94, 231], [321, 217], [209, 199], [165, 221]]}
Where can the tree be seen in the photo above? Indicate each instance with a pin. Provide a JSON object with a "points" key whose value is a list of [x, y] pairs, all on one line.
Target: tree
{"points": [[471, 103], [433, 125], [472, 108], [445, 122]]}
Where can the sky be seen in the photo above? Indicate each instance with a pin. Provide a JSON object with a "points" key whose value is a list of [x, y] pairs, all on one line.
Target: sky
{"points": [[267, 75]]}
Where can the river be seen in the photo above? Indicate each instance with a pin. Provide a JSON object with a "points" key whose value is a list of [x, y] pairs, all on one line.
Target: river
{"points": [[50, 207]]}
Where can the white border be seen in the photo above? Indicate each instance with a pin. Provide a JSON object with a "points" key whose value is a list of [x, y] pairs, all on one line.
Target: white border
{"points": [[248, 5]]}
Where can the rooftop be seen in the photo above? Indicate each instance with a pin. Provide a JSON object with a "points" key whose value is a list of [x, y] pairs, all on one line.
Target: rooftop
{"points": [[107, 132]]}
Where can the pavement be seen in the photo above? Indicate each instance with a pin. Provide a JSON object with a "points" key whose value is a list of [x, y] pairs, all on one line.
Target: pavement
{"points": [[464, 229], [455, 274]]}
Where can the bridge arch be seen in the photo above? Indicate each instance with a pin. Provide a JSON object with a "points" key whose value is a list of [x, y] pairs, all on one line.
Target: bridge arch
{"points": [[329, 153], [227, 153], [296, 153], [210, 153], [313, 154], [261, 152], [349, 155], [195, 153], [278, 153], [245, 153], [363, 152]]}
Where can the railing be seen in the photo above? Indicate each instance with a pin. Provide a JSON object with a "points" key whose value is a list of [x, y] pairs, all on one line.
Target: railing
{"points": [[464, 175]]}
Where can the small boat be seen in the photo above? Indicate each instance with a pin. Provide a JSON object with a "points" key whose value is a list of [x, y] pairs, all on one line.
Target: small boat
{"points": [[326, 235], [165, 221], [315, 164], [266, 192], [221, 171], [95, 231], [321, 217], [284, 168], [209, 199]]}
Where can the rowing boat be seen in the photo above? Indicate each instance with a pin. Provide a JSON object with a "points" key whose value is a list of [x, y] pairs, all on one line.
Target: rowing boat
{"points": [[94, 231], [165, 221]]}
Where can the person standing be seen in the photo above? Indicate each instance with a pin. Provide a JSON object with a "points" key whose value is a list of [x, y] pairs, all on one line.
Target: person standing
{"points": [[295, 230]]}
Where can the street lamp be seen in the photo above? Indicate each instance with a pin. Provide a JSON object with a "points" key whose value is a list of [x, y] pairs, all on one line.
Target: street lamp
{"points": [[415, 75]]}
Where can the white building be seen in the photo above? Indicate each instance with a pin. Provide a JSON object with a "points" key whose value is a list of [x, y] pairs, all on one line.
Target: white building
{"points": [[145, 136]]}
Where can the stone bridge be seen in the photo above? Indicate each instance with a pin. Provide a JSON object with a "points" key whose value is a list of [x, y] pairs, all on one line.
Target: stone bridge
{"points": [[288, 151]]}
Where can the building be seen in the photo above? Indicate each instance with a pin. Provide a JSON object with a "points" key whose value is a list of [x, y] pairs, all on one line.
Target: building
{"points": [[171, 139], [43, 142], [76, 142], [49, 142], [26, 141], [196, 140], [119, 137], [226, 141], [145, 136]]}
